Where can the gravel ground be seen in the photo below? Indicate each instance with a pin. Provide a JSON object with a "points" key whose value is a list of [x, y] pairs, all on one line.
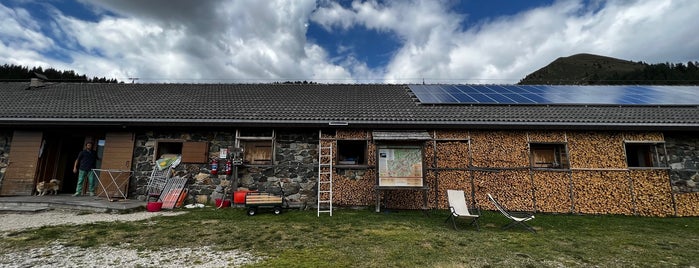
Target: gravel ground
{"points": [[58, 255]]}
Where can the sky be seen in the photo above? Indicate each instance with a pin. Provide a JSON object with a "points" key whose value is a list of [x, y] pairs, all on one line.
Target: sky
{"points": [[402, 41]]}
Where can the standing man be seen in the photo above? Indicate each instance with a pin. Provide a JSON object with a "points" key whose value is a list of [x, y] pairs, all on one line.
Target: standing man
{"points": [[86, 161]]}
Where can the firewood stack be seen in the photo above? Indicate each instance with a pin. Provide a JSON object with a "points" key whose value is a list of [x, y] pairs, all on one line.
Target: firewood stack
{"points": [[595, 150], [512, 188], [598, 182], [602, 191], [552, 191], [499, 149], [644, 136], [450, 135], [451, 155], [546, 136], [652, 192], [352, 134], [687, 204], [352, 192]]}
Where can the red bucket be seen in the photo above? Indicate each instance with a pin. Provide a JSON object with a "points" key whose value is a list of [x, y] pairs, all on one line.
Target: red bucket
{"points": [[239, 197], [222, 204], [154, 206]]}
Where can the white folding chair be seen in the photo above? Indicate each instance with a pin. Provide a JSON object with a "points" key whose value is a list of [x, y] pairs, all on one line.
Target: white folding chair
{"points": [[517, 218], [459, 209]]}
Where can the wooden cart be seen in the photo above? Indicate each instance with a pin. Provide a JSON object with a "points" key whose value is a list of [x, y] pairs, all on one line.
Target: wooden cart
{"points": [[254, 200]]}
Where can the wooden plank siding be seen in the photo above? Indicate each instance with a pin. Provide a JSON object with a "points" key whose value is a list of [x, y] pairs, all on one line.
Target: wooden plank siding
{"points": [[118, 155], [21, 170]]}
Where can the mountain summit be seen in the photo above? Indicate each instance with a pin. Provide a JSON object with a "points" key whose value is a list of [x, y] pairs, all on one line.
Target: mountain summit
{"points": [[581, 69]]}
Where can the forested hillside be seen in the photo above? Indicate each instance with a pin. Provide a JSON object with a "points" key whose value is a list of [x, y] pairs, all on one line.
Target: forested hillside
{"points": [[588, 69], [17, 73]]}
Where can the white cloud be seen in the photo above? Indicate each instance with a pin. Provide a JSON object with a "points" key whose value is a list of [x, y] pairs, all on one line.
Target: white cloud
{"points": [[264, 41], [505, 49], [20, 30]]}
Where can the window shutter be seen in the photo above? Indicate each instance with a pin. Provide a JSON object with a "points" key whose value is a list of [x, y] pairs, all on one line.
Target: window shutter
{"points": [[195, 152]]}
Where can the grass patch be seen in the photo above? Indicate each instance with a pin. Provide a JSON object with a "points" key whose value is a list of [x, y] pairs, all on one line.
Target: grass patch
{"points": [[362, 238]]}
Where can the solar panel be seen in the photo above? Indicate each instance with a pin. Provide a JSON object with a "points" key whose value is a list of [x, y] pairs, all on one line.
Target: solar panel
{"points": [[545, 94]]}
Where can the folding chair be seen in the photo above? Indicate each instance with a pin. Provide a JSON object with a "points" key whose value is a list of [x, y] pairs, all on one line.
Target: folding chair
{"points": [[459, 209], [518, 217]]}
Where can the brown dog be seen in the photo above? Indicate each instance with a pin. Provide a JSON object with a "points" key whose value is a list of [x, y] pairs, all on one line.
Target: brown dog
{"points": [[42, 188]]}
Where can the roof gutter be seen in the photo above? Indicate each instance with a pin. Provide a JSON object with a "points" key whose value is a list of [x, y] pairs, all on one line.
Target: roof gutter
{"points": [[406, 124]]}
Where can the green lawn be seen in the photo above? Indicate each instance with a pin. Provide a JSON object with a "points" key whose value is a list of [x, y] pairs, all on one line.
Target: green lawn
{"points": [[363, 238]]}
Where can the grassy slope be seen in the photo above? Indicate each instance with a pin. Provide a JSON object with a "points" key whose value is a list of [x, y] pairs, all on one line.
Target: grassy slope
{"points": [[361, 238]]}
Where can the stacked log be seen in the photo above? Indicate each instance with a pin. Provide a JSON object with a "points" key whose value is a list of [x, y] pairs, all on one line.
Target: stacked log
{"points": [[643, 136], [512, 188], [451, 135], [604, 192], [452, 180], [354, 192], [371, 154], [547, 136], [431, 182], [499, 149], [428, 151], [652, 192], [326, 135], [404, 198], [596, 150], [552, 191], [687, 204], [351, 134], [452, 154]]}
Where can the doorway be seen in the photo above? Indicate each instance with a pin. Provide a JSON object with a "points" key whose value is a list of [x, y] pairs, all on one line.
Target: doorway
{"points": [[57, 157]]}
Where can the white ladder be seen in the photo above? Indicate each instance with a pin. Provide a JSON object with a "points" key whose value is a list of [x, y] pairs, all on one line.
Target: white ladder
{"points": [[325, 179]]}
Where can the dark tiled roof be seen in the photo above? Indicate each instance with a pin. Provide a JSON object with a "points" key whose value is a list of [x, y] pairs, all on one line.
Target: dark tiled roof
{"points": [[312, 105]]}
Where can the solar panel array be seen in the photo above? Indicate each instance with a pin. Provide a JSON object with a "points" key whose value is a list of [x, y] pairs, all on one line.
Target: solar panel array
{"points": [[545, 94]]}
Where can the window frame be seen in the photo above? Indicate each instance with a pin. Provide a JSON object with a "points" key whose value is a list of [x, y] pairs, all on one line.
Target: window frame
{"points": [[652, 154], [256, 137], [339, 157], [559, 153], [191, 151]]}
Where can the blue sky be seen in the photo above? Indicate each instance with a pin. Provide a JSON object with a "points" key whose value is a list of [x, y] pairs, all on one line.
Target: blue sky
{"points": [[450, 41]]}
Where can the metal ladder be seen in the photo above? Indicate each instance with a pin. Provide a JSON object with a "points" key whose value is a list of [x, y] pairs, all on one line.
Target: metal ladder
{"points": [[325, 179]]}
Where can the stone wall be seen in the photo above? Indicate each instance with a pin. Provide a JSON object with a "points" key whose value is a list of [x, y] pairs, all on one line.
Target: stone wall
{"points": [[683, 157], [295, 167]]}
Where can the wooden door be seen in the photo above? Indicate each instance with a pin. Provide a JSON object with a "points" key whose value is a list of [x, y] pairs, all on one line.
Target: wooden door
{"points": [[116, 164], [21, 169]]}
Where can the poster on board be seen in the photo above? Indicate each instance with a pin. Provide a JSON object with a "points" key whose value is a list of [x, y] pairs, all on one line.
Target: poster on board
{"points": [[400, 167]]}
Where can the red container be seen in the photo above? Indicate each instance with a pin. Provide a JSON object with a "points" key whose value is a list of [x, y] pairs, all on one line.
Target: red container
{"points": [[239, 197], [222, 204], [154, 206]]}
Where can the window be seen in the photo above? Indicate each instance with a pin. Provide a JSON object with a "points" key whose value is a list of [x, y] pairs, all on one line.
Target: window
{"points": [[191, 151], [351, 152], [641, 155], [549, 155]]}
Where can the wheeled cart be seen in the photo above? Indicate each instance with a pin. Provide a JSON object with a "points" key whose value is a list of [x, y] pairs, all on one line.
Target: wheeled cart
{"points": [[254, 200]]}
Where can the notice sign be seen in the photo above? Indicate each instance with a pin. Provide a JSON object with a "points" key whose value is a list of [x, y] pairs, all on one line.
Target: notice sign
{"points": [[400, 167]]}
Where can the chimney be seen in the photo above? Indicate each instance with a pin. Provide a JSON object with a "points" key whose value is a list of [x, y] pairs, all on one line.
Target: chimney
{"points": [[38, 81]]}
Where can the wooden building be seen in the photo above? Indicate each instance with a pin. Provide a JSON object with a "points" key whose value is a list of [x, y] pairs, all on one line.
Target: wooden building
{"points": [[389, 146]]}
